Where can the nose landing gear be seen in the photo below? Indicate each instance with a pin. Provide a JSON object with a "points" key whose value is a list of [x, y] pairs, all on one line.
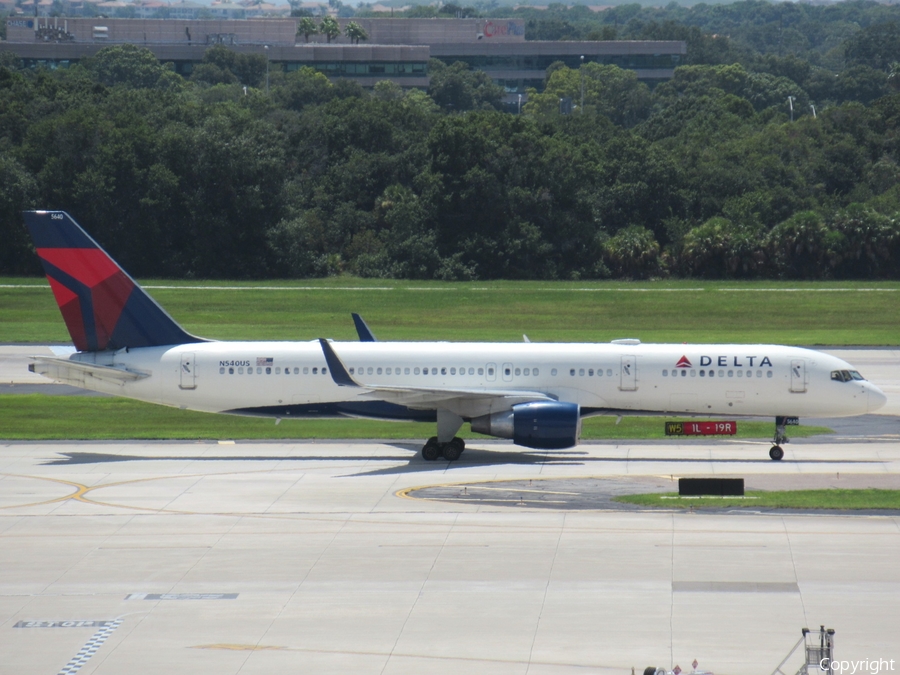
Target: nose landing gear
{"points": [[776, 452], [450, 451]]}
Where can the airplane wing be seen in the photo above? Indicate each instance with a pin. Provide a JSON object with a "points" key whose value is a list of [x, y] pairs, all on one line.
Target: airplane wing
{"points": [[64, 370], [463, 402]]}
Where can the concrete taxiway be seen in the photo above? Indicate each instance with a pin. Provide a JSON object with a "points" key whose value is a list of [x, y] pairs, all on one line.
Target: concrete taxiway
{"points": [[360, 557], [310, 557]]}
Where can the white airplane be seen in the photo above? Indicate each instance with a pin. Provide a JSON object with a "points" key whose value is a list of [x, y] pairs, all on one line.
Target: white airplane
{"points": [[535, 394]]}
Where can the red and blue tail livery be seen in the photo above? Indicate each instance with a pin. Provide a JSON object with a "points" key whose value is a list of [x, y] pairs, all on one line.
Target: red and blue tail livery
{"points": [[103, 307]]}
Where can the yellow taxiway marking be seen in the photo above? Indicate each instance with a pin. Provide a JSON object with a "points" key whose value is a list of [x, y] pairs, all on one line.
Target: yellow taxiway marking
{"points": [[543, 492]]}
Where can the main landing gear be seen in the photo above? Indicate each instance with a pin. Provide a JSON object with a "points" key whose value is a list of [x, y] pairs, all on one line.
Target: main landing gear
{"points": [[446, 444], [775, 452], [450, 451]]}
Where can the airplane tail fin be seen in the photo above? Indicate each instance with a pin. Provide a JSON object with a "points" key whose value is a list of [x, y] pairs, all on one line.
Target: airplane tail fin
{"points": [[102, 306]]}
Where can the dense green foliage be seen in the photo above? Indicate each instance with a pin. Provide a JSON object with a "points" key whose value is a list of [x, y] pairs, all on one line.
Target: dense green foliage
{"points": [[705, 175]]}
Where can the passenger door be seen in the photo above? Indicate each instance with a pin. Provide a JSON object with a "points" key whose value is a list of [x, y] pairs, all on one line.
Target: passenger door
{"points": [[188, 371], [798, 376], [628, 374]]}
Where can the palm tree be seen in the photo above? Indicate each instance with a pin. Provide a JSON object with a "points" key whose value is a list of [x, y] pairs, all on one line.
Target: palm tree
{"points": [[329, 27], [307, 27], [355, 32]]}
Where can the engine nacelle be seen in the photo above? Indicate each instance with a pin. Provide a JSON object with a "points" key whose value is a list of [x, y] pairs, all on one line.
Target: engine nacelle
{"points": [[545, 425]]}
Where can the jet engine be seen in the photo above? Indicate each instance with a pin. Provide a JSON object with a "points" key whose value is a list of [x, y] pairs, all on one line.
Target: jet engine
{"points": [[545, 425]]}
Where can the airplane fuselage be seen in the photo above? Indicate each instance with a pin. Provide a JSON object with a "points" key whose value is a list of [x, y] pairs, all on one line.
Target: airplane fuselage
{"points": [[287, 379]]}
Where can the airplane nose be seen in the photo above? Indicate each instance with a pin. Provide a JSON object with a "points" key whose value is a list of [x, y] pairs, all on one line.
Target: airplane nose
{"points": [[877, 399]]}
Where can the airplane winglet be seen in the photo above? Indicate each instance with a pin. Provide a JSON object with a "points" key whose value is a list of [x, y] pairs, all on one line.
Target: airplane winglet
{"points": [[363, 330], [339, 373]]}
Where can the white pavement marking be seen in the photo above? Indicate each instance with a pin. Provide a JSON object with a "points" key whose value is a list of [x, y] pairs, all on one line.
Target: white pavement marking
{"points": [[90, 648]]}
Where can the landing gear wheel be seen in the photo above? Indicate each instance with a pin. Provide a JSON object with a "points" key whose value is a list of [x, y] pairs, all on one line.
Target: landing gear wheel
{"points": [[431, 450], [776, 453], [453, 449]]}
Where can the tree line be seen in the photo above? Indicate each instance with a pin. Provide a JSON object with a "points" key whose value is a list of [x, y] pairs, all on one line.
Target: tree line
{"points": [[705, 175]]}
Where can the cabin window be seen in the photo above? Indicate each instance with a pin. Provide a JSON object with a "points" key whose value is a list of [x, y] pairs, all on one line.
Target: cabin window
{"points": [[572, 372], [730, 373], [315, 371], [388, 370], [581, 372], [684, 373], [406, 371], [609, 372], [535, 372], [590, 372], [703, 373], [759, 373], [721, 373], [378, 371], [553, 372], [278, 370], [240, 371], [268, 370], [518, 372], [324, 371], [305, 370], [749, 373], [665, 373], [693, 373], [287, 371], [453, 371], [526, 371], [480, 371], [416, 371], [351, 370], [507, 372], [443, 371], [231, 371], [369, 370], [769, 373], [221, 371]]}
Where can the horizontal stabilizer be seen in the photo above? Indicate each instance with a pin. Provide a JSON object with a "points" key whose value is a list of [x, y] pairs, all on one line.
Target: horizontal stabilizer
{"points": [[78, 373]]}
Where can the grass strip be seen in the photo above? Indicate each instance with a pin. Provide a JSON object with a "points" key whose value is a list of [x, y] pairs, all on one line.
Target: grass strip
{"points": [[832, 498], [794, 313], [43, 417]]}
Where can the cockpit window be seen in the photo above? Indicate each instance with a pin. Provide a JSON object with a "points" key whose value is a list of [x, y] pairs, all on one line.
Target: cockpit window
{"points": [[846, 375]]}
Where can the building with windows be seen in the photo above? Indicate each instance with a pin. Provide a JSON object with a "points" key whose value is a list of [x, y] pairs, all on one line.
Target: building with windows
{"points": [[396, 49]]}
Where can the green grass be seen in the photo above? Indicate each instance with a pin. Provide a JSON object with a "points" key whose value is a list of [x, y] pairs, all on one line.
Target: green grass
{"points": [[836, 313], [41, 417], [795, 499]]}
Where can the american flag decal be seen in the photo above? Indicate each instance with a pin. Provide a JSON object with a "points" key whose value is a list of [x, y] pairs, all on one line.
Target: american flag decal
{"points": [[264, 360]]}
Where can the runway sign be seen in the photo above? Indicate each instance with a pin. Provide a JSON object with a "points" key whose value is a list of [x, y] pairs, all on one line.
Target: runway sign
{"points": [[701, 428]]}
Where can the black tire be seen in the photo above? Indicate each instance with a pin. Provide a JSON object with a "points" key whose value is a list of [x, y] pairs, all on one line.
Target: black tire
{"points": [[776, 453], [431, 451], [452, 451], [650, 670], [459, 442]]}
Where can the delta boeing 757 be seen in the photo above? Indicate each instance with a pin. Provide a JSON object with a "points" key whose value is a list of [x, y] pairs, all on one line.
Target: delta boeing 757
{"points": [[535, 394]]}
